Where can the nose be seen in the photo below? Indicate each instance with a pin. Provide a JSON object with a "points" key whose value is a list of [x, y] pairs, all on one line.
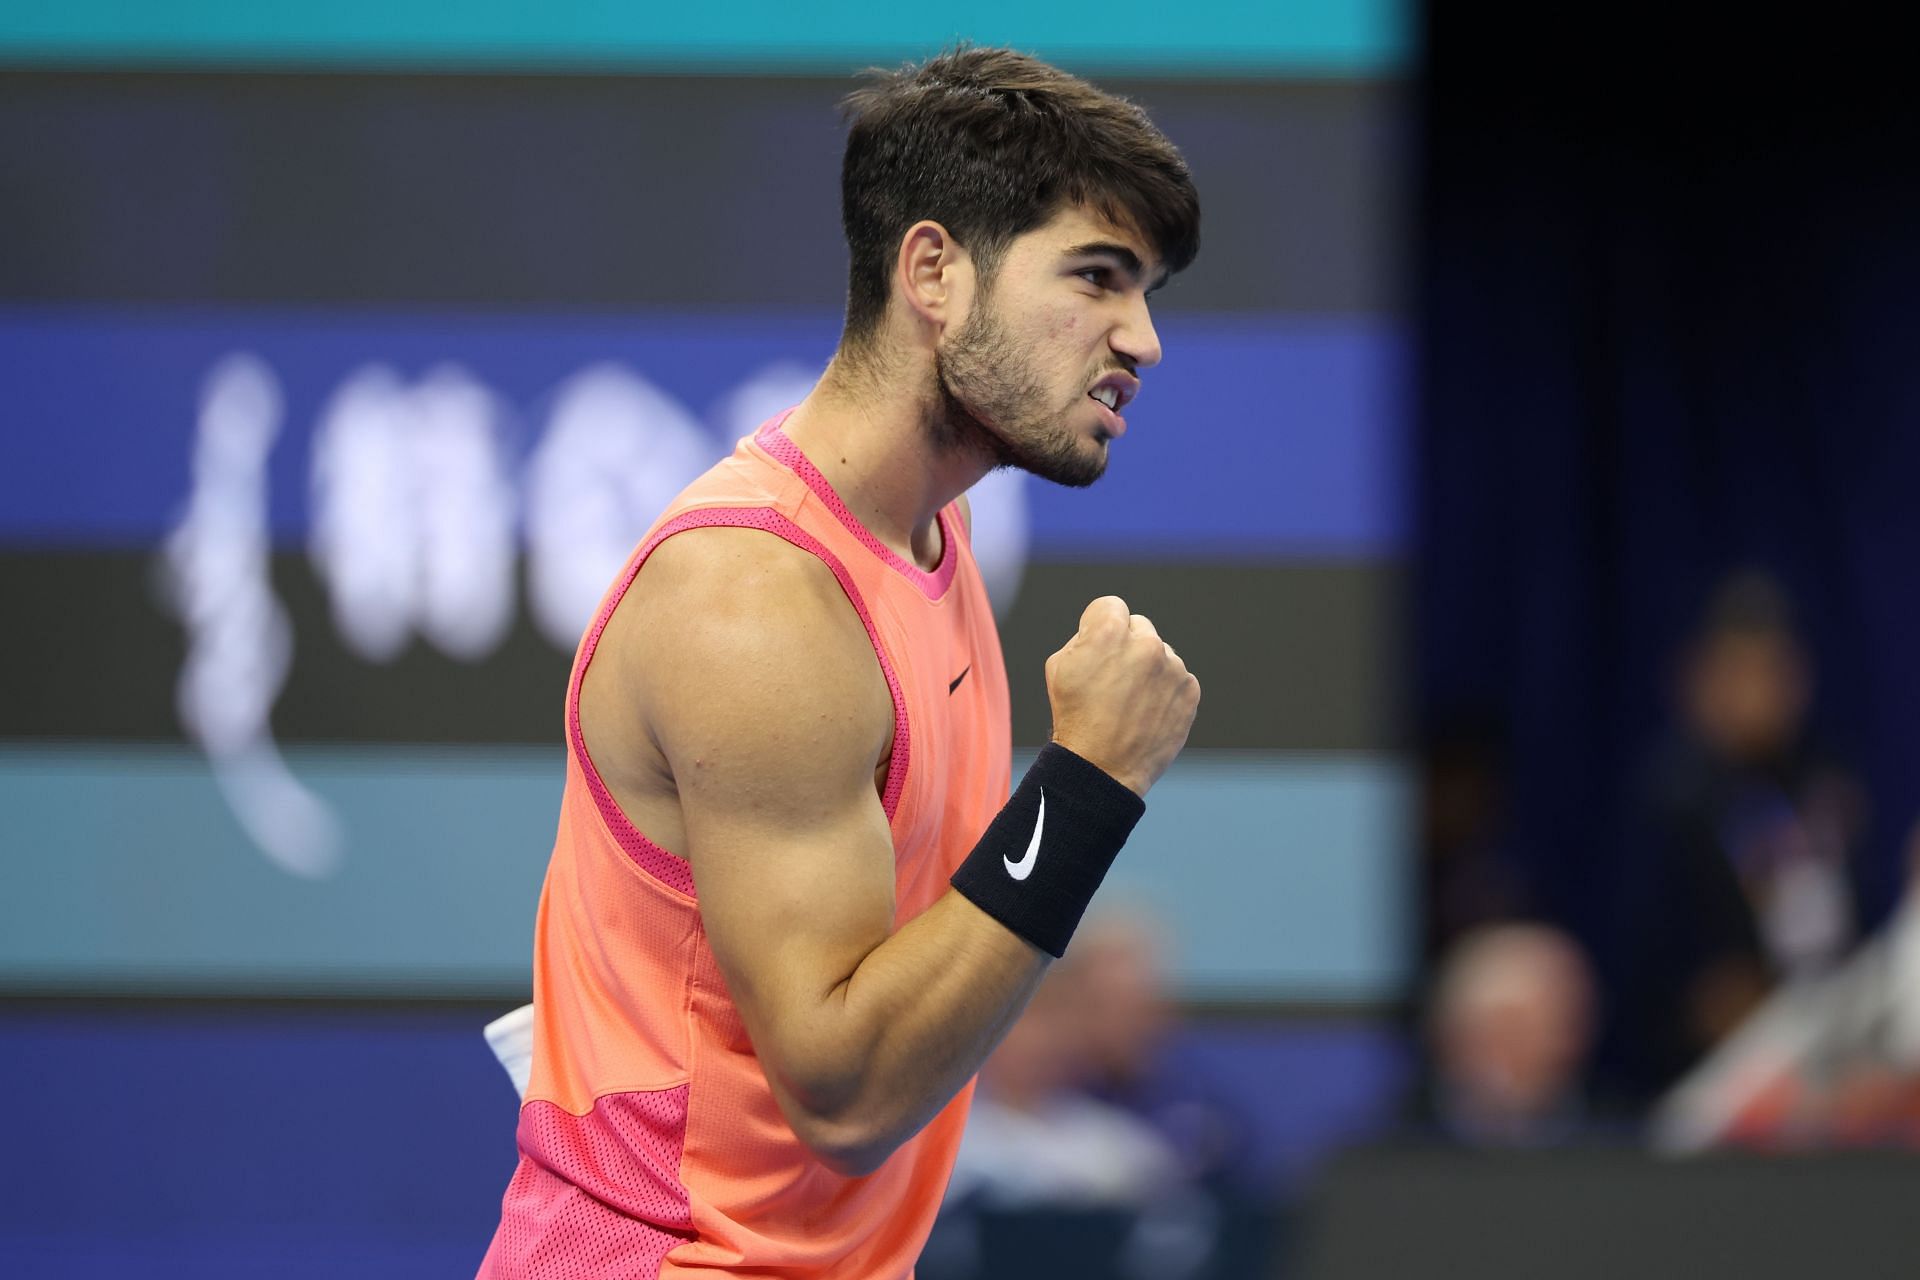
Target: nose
{"points": [[1135, 337]]}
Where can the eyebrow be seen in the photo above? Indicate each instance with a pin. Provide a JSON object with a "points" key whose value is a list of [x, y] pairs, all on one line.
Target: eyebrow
{"points": [[1127, 259]]}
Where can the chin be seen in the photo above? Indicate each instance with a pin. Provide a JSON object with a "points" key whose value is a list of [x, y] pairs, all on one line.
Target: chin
{"points": [[1075, 472], [1059, 452]]}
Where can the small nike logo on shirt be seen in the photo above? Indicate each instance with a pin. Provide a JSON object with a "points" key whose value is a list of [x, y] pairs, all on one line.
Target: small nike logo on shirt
{"points": [[1022, 869], [957, 679]]}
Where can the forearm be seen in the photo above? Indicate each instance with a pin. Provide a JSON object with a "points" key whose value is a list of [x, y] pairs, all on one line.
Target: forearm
{"points": [[892, 1044]]}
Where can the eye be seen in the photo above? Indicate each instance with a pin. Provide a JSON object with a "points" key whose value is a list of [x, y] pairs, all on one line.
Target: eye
{"points": [[1095, 276]]}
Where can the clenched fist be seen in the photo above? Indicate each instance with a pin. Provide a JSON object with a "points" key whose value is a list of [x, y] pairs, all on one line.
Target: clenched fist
{"points": [[1122, 698]]}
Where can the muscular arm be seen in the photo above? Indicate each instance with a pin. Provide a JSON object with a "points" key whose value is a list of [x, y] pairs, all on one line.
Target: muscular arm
{"points": [[759, 686]]}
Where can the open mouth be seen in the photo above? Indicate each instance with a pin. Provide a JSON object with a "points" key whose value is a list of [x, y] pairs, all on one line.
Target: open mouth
{"points": [[1114, 391]]}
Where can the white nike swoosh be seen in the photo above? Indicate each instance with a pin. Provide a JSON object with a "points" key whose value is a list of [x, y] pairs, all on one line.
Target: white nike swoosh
{"points": [[1022, 869]]}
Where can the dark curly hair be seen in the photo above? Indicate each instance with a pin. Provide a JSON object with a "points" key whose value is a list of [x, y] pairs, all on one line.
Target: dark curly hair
{"points": [[990, 143]]}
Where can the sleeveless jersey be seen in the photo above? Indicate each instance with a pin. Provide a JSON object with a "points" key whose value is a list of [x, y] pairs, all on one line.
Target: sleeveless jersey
{"points": [[651, 1145]]}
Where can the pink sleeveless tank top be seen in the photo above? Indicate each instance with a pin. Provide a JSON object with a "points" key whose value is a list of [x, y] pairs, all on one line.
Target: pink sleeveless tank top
{"points": [[650, 1143]]}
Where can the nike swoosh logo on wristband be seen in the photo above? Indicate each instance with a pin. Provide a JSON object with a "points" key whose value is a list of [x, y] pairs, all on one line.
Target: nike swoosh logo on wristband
{"points": [[1022, 869]]}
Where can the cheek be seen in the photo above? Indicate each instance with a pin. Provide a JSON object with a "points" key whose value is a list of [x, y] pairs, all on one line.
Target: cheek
{"points": [[1060, 345], [1050, 320]]}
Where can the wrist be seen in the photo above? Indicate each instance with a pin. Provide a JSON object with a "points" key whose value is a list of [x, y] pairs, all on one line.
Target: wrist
{"points": [[1132, 781]]}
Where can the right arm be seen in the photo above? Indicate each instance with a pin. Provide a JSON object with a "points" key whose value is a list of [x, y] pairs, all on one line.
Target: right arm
{"points": [[763, 694]]}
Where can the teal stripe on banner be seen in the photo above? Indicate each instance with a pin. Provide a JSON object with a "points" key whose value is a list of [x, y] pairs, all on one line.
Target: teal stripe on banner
{"points": [[123, 869], [1230, 37], [1278, 877]]}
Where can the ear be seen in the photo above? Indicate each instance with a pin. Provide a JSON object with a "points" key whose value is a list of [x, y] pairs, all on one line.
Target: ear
{"points": [[934, 274]]}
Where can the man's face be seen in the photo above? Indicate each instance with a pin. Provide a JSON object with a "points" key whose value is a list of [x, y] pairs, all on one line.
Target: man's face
{"points": [[1044, 361], [1748, 693]]}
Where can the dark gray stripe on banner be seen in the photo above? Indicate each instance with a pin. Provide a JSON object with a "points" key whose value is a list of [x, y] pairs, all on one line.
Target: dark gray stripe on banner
{"points": [[1295, 656], [1292, 656], [499, 191], [92, 653]]}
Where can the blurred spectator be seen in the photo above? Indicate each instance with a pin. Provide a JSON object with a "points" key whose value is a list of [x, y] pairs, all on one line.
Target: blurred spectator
{"points": [[1053, 1129], [1511, 1024], [1751, 836], [1118, 966], [1827, 1062], [1470, 877], [1037, 1135], [1119, 970]]}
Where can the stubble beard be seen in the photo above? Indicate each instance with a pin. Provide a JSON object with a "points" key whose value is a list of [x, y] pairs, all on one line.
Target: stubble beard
{"points": [[988, 402]]}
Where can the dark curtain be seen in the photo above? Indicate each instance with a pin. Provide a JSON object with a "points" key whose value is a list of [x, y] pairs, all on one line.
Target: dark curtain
{"points": [[1669, 311]]}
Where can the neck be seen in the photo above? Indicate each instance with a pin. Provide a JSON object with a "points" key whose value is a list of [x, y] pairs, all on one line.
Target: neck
{"points": [[870, 427]]}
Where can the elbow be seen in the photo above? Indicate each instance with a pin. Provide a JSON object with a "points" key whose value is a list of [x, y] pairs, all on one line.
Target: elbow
{"points": [[848, 1147], [855, 1162], [838, 1109]]}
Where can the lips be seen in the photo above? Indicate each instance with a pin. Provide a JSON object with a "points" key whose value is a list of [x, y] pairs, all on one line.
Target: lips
{"points": [[1111, 394], [1115, 390]]}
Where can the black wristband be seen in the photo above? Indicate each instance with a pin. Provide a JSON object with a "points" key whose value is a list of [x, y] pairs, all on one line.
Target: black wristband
{"points": [[1036, 868]]}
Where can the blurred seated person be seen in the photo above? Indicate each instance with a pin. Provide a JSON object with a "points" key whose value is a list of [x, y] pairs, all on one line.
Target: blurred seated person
{"points": [[1469, 876], [1037, 1135], [1042, 1138], [1748, 841], [1832, 1061], [1510, 1024], [1128, 1019]]}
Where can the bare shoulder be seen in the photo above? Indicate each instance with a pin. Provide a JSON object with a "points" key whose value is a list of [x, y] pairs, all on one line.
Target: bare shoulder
{"points": [[739, 657], [723, 595]]}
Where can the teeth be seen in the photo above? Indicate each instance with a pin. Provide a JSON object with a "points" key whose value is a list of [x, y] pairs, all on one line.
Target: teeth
{"points": [[1108, 396]]}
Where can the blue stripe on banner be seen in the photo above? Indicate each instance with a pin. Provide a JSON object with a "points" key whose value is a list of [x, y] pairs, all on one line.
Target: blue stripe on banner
{"points": [[1338, 37], [1278, 877], [331, 1085], [1259, 436]]}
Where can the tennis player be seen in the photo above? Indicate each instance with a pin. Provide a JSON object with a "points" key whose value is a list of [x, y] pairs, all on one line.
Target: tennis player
{"points": [[790, 907]]}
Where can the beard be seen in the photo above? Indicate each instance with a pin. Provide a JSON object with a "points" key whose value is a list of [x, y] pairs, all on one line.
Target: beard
{"points": [[990, 401]]}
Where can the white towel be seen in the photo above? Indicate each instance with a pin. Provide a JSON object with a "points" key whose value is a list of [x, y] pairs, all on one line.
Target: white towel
{"points": [[511, 1038]]}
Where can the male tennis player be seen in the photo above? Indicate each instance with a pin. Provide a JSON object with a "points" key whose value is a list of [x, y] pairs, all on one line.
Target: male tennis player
{"points": [[790, 907]]}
